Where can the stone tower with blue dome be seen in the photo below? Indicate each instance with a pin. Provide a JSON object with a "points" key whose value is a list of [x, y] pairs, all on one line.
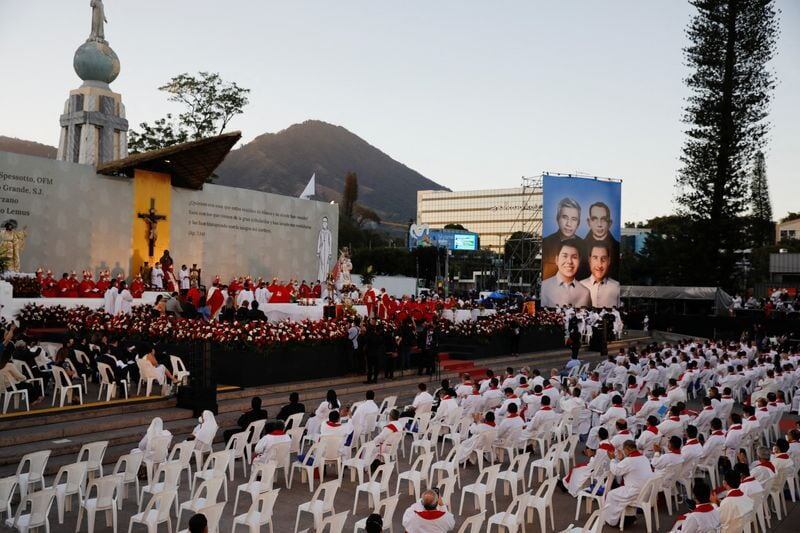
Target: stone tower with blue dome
{"points": [[93, 127]]}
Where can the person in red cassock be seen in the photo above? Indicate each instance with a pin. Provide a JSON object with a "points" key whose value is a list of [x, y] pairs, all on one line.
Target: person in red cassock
{"points": [[305, 290], [87, 287], [316, 290], [383, 305], [102, 284], [370, 299], [73, 285], [63, 286], [49, 286], [137, 287], [194, 295]]}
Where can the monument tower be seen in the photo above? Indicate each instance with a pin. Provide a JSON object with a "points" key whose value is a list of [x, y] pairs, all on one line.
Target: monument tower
{"points": [[93, 127]]}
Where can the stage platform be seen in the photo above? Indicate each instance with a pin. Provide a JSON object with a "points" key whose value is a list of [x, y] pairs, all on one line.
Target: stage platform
{"points": [[65, 430]]}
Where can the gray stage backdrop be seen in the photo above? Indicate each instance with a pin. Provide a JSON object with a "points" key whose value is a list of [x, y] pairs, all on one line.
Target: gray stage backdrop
{"points": [[233, 231], [77, 219]]}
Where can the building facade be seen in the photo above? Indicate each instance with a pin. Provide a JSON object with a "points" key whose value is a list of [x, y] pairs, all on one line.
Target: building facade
{"points": [[494, 214], [632, 239], [787, 231]]}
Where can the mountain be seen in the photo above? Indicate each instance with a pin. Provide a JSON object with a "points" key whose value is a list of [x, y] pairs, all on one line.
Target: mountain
{"points": [[19, 146], [283, 162]]}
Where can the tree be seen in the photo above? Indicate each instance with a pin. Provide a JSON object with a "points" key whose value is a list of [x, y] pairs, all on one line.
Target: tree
{"points": [[349, 194], [209, 105], [731, 42], [760, 206]]}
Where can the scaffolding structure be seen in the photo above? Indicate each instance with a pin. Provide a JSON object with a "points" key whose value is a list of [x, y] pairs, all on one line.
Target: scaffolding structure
{"points": [[522, 255]]}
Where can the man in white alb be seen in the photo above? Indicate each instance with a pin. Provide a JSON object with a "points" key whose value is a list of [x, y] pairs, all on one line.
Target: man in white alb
{"points": [[157, 276]]}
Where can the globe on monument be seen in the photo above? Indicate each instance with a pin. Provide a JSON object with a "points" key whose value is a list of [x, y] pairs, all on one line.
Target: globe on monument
{"points": [[96, 61]]}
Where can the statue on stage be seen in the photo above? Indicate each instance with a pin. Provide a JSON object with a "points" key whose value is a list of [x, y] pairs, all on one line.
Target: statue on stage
{"points": [[98, 21], [345, 267], [324, 245], [12, 242]]}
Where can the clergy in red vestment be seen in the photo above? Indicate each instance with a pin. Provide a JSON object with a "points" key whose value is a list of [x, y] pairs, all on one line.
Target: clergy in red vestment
{"points": [[280, 294], [370, 299], [305, 290], [137, 287], [194, 295], [63, 286], [215, 299], [72, 291], [87, 287], [49, 286], [383, 305], [316, 290]]}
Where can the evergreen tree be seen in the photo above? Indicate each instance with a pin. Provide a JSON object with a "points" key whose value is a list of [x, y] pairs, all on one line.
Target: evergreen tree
{"points": [[761, 208], [349, 194], [731, 42]]}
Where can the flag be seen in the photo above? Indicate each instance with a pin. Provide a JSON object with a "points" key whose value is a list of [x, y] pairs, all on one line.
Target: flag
{"points": [[310, 189]]}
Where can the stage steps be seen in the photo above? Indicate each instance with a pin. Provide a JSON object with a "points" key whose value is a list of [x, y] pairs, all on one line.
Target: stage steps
{"points": [[124, 425]]}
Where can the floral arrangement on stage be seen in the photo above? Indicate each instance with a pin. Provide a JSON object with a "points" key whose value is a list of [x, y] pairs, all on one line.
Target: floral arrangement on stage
{"points": [[145, 324], [25, 286]]}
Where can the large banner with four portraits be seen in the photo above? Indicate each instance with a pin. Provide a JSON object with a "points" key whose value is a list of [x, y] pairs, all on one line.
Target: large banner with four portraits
{"points": [[580, 241]]}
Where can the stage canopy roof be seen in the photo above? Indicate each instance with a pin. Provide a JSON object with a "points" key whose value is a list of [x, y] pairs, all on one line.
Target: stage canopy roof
{"points": [[721, 298], [190, 164]]}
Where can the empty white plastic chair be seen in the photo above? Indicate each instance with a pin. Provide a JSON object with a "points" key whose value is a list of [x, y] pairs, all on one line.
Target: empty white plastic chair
{"points": [[359, 465], [34, 474], [215, 466], [418, 473], [207, 493], [294, 421], [238, 446], [8, 485], [262, 478], [182, 452], [321, 504], [179, 371], [515, 475], [513, 517], [69, 481], [259, 514], [92, 453], [40, 503], [155, 512], [473, 524], [542, 502], [105, 499], [484, 485], [127, 471], [376, 486], [165, 480], [333, 524]]}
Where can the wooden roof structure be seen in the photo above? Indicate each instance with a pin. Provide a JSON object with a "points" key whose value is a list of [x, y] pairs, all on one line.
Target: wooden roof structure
{"points": [[190, 164]]}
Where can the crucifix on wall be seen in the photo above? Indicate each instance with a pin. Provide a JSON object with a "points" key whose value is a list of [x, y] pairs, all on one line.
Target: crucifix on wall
{"points": [[151, 218]]}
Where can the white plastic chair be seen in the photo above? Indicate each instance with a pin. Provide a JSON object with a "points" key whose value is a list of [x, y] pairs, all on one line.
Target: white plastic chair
{"points": [[36, 463], [515, 474], [213, 514], [206, 494], [473, 524], [262, 479], [237, 445], [310, 462], [386, 508], [542, 502], [334, 524], [147, 375], [546, 466], [182, 452], [74, 483], [108, 382], [427, 442], [155, 454], [259, 514], [647, 501], [165, 480], [215, 466], [179, 369], [294, 421], [105, 499], [254, 430], [321, 504], [127, 471], [419, 472], [484, 485], [63, 387], [8, 485], [513, 517], [40, 503], [283, 460], [359, 465], [376, 486], [157, 511], [92, 453], [10, 392], [594, 524]]}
